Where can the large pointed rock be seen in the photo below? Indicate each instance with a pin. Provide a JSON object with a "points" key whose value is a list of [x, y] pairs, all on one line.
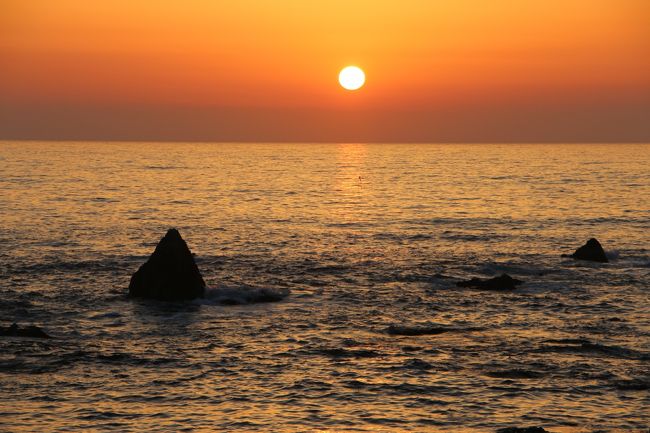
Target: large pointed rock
{"points": [[170, 274], [591, 251]]}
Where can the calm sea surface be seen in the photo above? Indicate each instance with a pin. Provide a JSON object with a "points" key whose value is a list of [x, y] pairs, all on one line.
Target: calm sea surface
{"points": [[356, 238]]}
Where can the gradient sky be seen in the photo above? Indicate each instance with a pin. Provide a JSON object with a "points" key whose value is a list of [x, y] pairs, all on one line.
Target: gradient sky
{"points": [[266, 70]]}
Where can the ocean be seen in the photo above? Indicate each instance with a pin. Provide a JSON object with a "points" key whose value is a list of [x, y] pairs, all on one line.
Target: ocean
{"points": [[352, 241]]}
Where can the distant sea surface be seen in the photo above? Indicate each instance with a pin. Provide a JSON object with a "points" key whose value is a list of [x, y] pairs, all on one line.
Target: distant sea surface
{"points": [[350, 239]]}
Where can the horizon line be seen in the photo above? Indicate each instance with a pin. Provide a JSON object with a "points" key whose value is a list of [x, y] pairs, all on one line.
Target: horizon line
{"points": [[172, 141]]}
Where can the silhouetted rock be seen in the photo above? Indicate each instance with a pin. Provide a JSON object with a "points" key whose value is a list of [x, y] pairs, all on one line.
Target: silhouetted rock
{"points": [[522, 430], [591, 251], [170, 274], [503, 282], [15, 331]]}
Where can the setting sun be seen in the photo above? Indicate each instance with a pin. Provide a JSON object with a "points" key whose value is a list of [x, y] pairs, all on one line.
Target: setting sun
{"points": [[352, 78]]}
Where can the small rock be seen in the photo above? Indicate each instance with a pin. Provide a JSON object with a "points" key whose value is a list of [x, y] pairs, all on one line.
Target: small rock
{"points": [[170, 274], [591, 251], [503, 282], [29, 332]]}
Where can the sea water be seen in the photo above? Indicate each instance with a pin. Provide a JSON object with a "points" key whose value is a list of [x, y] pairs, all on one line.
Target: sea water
{"points": [[350, 239]]}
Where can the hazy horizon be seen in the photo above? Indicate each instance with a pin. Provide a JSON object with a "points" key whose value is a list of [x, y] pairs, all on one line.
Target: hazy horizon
{"points": [[496, 143]]}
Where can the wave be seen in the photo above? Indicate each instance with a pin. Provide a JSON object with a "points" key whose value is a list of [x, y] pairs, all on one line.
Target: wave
{"points": [[163, 167], [242, 295], [416, 330], [425, 329], [58, 358], [583, 346], [100, 265], [416, 364], [339, 352], [515, 373], [633, 384]]}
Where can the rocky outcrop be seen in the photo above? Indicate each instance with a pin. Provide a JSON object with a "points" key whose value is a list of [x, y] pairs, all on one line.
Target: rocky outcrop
{"points": [[29, 332], [591, 251], [170, 274], [503, 282]]}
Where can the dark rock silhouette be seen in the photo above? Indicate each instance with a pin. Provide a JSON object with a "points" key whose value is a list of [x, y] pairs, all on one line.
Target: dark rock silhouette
{"points": [[591, 251], [170, 274], [522, 430], [30, 332], [503, 282]]}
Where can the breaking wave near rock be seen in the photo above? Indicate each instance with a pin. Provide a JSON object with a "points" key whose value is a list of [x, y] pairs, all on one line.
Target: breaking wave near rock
{"points": [[242, 295]]}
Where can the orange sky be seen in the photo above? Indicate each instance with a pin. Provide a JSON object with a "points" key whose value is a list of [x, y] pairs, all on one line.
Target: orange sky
{"points": [[461, 70]]}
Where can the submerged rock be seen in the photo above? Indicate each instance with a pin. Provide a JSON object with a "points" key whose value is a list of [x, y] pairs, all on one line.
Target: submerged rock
{"points": [[514, 374], [522, 430], [415, 330], [503, 282], [30, 332], [170, 274], [591, 251]]}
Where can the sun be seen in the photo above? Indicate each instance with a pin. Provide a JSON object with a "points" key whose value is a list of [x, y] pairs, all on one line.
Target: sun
{"points": [[352, 78]]}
